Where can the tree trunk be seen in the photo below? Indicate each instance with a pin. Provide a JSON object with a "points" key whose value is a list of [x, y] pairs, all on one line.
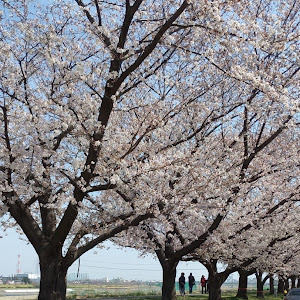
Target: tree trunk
{"points": [[215, 279], [286, 284], [271, 285], [243, 285], [293, 281], [259, 284], [280, 285], [53, 284], [215, 283], [298, 282], [169, 278]]}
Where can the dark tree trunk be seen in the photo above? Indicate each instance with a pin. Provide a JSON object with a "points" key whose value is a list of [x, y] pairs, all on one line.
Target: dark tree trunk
{"points": [[280, 285], [243, 284], [271, 285], [215, 279], [293, 281], [298, 282], [286, 284], [53, 284], [215, 283], [169, 278], [259, 284]]}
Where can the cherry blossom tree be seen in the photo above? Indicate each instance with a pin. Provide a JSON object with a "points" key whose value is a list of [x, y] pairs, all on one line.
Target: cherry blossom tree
{"points": [[250, 159], [186, 228], [258, 248], [89, 90], [114, 112], [246, 164], [282, 259]]}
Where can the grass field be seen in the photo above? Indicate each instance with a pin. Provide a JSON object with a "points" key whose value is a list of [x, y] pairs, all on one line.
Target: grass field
{"points": [[226, 295], [130, 292]]}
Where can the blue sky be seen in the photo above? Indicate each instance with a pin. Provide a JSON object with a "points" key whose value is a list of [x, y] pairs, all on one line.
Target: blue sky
{"points": [[110, 262]]}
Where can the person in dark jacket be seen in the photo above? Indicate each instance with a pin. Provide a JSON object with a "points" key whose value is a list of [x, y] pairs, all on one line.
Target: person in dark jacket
{"points": [[182, 284], [191, 283]]}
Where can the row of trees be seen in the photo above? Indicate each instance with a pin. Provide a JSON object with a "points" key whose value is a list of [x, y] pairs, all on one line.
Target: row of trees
{"points": [[268, 242], [283, 284], [170, 126]]}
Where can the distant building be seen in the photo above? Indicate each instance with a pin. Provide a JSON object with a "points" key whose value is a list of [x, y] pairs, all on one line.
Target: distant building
{"points": [[117, 280], [78, 277], [29, 276], [10, 280]]}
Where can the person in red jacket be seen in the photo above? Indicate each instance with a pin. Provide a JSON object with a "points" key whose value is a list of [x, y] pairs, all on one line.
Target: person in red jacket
{"points": [[203, 284]]}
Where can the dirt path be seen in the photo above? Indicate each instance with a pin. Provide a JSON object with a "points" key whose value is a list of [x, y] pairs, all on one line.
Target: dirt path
{"points": [[20, 297]]}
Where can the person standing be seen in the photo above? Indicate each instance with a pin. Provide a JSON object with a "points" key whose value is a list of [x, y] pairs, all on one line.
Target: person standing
{"points": [[182, 284], [203, 284], [191, 283]]}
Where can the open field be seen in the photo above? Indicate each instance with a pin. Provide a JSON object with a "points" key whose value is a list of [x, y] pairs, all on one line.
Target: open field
{"points": [[118, 292], [225, 295]]}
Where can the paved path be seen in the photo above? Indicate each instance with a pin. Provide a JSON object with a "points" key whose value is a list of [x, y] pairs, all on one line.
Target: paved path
{"points": [[19, 297]]}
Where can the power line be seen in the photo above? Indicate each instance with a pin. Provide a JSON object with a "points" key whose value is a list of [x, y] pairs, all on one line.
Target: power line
{"points": [[115, 263], [132, 264], [123, 269], [110, 268]]}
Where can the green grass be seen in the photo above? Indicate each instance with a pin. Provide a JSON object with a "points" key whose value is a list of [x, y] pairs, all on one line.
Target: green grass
{"points": [[105, 294], [17, 286], [230, 295], [142, 292], [227, 295]]}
